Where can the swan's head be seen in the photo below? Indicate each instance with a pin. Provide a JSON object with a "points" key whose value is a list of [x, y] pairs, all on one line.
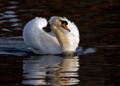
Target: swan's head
{"points": [[59, 22]]}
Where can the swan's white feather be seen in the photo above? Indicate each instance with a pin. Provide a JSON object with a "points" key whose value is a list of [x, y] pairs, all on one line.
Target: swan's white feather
{"points": [[38, 40], [43, 43], [73, 35]]}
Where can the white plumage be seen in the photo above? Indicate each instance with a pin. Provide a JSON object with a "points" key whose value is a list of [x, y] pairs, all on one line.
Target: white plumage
{"points": [[42, 42]]}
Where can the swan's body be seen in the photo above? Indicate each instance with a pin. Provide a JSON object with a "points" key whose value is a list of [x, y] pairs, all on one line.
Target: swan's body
{"points": [[56, 42]]}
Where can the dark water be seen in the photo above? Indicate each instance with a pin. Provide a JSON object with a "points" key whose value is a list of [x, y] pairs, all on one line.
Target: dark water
{"points": [[98, 62]]}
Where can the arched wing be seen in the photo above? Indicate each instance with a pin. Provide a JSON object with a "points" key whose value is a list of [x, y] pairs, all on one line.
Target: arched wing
{"points": [[39, 40]]}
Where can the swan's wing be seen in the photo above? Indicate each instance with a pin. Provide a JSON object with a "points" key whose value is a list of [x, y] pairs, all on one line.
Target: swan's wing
{"points": [[73, 35], [36, 38]]}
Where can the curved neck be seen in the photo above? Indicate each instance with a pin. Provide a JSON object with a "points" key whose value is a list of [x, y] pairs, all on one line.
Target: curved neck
{"points": [[62, 38]]}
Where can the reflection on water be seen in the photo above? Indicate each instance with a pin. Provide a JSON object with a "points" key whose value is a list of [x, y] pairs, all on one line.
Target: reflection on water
{"points": [[51, 70]]}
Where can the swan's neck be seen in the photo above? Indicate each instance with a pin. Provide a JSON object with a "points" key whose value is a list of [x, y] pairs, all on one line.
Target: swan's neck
{"points": [[62, 38]]}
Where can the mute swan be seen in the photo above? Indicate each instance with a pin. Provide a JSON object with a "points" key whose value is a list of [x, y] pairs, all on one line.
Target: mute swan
{"points": [[64, 35]]}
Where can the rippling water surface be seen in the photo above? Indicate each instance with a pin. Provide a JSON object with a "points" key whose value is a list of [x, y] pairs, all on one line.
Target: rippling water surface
{"points": [[98, 57]]}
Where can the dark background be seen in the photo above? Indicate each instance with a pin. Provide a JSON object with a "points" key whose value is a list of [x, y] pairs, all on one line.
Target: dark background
{"points": [[99, 25]]}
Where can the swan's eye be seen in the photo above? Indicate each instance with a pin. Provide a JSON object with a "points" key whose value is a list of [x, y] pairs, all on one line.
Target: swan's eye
{"points": [[64, 22]]}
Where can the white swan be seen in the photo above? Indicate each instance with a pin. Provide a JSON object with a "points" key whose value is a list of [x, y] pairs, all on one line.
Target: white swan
{"points": [[63, 37]]}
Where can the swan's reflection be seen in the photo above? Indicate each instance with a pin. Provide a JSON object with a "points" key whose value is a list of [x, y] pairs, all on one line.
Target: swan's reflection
{"points": [[51, 70]]}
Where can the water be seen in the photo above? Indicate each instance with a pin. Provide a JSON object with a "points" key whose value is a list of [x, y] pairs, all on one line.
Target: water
{"points": [[97, 62]]}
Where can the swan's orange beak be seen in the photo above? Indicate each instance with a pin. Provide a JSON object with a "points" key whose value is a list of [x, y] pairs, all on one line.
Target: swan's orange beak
{"points": [[65, 26]]}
